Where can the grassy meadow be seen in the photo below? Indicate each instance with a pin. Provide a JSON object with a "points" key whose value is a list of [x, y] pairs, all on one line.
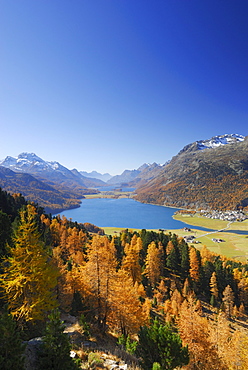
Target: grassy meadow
{"points": [[234, 245]]}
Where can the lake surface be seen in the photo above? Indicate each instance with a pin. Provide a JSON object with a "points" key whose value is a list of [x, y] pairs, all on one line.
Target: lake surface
{"points": [[126, 213]]}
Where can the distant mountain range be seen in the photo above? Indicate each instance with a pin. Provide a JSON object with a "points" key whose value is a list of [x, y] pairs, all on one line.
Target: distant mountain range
{"points": [[51, 171], [205, 174], [135, 178], [96, 175]]}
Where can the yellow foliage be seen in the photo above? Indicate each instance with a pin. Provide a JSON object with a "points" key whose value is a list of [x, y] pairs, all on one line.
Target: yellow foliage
{"points": [[29, 274]]}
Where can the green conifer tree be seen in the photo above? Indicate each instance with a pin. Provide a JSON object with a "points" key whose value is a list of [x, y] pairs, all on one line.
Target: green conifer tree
{"points": [[185, 260], [55, 351], [11, 346], [173, 261], [162, 344], [5, 233]]}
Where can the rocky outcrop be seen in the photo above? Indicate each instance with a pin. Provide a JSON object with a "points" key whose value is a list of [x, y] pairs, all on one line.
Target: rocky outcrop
{"points": [[32, 348]]}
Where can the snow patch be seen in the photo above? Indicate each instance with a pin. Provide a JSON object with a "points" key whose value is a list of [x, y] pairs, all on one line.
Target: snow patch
{"points": [[220, 140]]}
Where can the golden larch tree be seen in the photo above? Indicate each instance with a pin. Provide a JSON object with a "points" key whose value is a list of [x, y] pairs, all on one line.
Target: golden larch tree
{"points": [[127, 314], [98, 277], [213, 285], [194, 331], [153, 264], [194, 270], [228, 300], [131, 259], [29, 276]]}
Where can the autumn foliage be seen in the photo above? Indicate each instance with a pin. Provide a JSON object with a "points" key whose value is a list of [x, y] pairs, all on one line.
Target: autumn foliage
{"points": [[122, 283]]}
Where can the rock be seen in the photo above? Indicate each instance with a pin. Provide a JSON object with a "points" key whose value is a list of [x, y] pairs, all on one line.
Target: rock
{"points": [[109, 362], [114, 366], [68, 319], [89, 344], [32, 347], [123, 367]]}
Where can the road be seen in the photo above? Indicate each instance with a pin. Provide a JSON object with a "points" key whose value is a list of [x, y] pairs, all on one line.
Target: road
{"points": [[216, 231]]}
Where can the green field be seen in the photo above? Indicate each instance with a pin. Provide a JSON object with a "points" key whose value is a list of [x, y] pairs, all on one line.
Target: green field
{"points": [[234, 245]]}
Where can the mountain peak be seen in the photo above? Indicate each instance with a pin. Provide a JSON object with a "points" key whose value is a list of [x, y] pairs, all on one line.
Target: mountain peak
{"points": [[219, 140], [214, 142], [28, 155]]}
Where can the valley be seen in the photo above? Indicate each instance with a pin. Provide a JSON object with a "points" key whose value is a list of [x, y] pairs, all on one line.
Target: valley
{"points": [[151, 246], [124, 185], [208, 174], [117, 214]]}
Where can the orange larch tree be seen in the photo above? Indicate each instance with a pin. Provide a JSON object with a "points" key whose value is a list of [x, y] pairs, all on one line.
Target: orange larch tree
{"points": [[153, 264], [98, 277]]}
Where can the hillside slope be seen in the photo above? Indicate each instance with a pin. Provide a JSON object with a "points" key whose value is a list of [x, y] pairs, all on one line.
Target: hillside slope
{"points": [[52, 185], [213, 177], [52, 198]]}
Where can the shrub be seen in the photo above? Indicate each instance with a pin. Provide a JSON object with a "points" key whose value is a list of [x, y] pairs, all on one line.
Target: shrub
{"points": [[94, 359], [156, 366]]}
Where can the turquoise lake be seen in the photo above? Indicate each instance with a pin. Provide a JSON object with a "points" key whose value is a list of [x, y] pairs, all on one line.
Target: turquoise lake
{"points": [[126, 213]]}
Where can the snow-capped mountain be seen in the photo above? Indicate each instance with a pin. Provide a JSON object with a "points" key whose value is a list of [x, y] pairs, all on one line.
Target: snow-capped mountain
{"points": [[214, 142], [30, 162], [51, 171], [219, 140]]}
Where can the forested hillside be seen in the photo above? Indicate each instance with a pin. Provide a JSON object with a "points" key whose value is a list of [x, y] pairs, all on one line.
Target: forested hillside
{"points": [[53, 198], [164, 301], [50, 184], [215, 178]]}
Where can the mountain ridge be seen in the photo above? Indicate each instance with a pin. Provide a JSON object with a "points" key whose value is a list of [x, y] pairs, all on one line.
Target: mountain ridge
{"points": [[132, 177], [51, 198], [208, 173], [50, 171], [214, 178]]}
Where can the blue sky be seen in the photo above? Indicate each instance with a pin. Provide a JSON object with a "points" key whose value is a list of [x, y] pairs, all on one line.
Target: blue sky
{"points": [[108, 85]]}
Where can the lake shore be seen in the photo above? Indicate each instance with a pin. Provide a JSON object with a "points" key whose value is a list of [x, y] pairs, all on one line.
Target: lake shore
{"points": [[109, 194], [234, 245], [121, 214], [197, 220]]}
